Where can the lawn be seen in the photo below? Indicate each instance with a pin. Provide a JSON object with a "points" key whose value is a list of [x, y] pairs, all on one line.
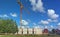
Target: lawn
{"points": [[29, 36]]}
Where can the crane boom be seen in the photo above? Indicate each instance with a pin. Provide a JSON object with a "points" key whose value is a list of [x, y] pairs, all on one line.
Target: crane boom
{"points": [[21, 6]]}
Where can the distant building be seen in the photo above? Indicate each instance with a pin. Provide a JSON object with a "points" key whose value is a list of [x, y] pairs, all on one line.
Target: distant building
{"points": [[57, 31], [45, 31]]}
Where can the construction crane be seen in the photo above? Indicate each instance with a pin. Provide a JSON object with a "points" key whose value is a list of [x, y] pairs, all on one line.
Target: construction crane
{"points": [[21, 8]]}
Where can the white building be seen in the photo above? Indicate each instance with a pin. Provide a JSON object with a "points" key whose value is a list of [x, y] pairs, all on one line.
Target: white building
{"points": [[30, 31], [20, 31], [37, 31], [24, 30]]}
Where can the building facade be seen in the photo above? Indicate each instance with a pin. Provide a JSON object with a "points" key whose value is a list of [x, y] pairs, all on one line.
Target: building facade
{"points": [[30, 31]]}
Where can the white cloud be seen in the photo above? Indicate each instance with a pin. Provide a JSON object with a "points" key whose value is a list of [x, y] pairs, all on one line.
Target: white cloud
{"points": [[22, 26], [24, 22], [13, 14], [34, 24], [51, 26], [49, 20], [44, 22], [37, 6], [18, 27], [52, 14], [55, 16], [5, 15], [46, 27], [58, 26], [52, 20], [55, 20], [58, 23]]}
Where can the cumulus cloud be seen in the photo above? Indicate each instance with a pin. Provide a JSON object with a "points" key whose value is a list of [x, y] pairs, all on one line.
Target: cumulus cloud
{"points": [[52, 14], [5, 15], [49, 20], [55, 16], [55, 20], [13, 14], [46, 27], [36, 26], [24, 22], [51, 26], [58, 23], [44, 22], [52, 20], [37, 6]]}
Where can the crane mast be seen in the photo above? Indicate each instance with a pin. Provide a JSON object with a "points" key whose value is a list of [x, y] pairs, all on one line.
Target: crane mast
{"points": [[21, 7]]}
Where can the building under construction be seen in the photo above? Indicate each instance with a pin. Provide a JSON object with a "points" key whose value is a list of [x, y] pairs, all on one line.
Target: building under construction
{"points": [[30, 31]]}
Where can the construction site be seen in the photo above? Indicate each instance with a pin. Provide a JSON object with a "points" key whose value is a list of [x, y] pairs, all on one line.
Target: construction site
{"points": [[29, 18], [27, 30]]}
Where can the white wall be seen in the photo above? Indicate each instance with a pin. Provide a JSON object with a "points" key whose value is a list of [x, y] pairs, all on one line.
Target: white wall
{"points": [[37, 31], [24, 30], [30, 31], [20, 31]]}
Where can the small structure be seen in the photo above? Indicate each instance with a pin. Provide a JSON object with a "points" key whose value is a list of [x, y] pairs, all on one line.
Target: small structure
{"points": [[45, 31]]}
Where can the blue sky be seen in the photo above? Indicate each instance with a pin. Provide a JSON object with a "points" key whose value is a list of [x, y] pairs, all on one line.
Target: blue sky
{"points": [[42, 13]]}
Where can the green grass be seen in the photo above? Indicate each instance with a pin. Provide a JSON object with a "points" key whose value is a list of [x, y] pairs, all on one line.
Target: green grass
{"points": [[29, 36]]}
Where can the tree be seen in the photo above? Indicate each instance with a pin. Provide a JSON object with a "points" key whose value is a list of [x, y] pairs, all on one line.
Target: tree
{"points": [[53, 31], [8, 26]]}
